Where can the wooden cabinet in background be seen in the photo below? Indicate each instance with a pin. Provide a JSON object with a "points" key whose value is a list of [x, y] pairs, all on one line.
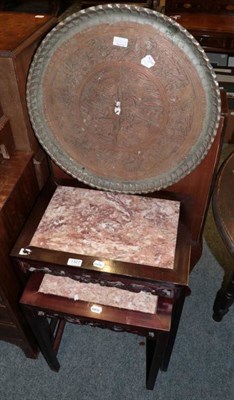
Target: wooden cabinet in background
{"points": [[19, 189], [23, 165], [215, 33], [20, 35], [214, 6]]}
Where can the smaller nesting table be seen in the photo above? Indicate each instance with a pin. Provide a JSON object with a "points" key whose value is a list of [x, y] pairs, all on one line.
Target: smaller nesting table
{"points": [[223, 211]]}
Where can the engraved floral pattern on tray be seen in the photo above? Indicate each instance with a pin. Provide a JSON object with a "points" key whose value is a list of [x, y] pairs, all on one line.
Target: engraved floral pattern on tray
{"points": [[111, 120], [130, 145]]}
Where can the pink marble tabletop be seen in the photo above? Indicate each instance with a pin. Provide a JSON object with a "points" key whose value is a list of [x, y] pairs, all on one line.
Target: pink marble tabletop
{"points": [[115, 226], [94, 293]]}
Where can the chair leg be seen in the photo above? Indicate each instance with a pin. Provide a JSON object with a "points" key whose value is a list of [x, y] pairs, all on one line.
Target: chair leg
{"points": [[154, 355], [176, 314], [41, 330], [223, 301]]}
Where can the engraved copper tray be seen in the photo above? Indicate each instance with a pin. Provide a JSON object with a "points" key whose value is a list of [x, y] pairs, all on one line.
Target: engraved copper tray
{"points": [[123, 98]]}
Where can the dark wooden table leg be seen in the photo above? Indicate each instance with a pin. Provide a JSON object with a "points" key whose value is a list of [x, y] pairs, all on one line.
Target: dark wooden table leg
{"points": [[42, 332], [154, 355], [176, 314], [223, 301]]}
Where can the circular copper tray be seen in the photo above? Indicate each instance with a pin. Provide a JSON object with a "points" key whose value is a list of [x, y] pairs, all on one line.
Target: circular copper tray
{"points": [[123, 98]]}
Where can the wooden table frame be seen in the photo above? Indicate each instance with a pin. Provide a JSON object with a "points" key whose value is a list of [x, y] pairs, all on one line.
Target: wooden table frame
{"points": [[170, 285]]}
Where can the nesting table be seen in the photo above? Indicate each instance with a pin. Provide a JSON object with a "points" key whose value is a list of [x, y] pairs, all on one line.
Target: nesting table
{"points": [[128, 257]]}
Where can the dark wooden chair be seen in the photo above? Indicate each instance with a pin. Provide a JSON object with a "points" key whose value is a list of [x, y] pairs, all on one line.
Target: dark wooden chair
{"points": [[223, 211], [169, 285]]}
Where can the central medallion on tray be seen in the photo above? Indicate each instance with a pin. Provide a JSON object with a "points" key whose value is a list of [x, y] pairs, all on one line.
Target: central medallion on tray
{"points": [[117, 113]]}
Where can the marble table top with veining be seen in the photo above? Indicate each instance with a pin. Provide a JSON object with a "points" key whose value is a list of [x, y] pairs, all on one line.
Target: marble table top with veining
{"points": [[115, 226], [94, 293]]}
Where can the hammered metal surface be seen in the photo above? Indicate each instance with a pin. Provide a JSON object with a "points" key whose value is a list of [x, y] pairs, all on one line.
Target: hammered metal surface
{"points": [[123, 98]]}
